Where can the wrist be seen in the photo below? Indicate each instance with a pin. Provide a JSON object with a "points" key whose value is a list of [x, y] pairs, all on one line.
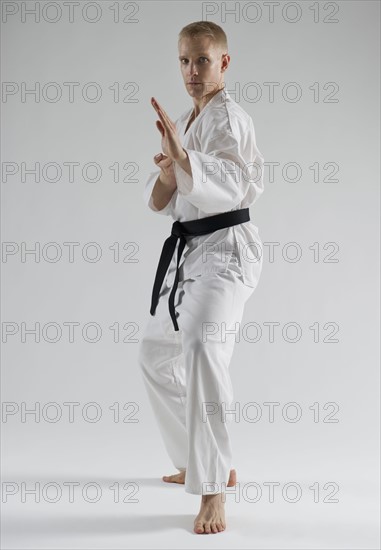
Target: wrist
{"points": [[183, 155], [167, 180]]}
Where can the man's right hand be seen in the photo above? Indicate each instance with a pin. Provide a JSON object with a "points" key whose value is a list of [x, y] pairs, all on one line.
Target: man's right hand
{"points": [[167, 174]]}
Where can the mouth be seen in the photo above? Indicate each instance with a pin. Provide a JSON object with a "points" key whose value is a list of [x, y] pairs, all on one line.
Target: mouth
{"points": [[194, 83]]}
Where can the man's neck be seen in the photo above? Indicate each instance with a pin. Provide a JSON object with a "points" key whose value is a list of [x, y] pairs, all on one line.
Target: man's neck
{"points": [[200, 104]]}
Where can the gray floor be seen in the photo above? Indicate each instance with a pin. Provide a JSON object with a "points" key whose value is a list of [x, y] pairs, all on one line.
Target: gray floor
{"points": [[162, 517]]}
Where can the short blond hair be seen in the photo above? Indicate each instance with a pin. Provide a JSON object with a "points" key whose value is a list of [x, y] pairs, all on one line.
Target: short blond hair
{"points": [[205, 28]]}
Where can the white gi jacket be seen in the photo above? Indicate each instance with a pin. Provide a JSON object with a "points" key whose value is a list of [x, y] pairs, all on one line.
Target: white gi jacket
{"points": [[227, 170]]}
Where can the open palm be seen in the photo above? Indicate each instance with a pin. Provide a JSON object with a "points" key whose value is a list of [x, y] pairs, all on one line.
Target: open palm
{"points": [[170, 140]]}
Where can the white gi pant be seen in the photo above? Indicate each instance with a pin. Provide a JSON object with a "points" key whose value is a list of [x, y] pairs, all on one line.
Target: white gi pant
{"points": [[186, 374]]}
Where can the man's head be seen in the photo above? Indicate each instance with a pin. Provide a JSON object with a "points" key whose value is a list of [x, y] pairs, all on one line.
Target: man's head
{"points": [[203, 57]]}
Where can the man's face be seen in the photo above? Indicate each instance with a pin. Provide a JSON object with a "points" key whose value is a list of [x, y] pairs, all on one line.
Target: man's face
{"points": [[203, 63]]}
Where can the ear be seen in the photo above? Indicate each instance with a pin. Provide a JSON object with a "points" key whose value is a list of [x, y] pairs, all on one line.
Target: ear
{"points": [[225, 61]]}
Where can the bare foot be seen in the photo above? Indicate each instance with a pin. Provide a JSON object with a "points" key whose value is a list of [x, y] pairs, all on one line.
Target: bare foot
{"points": [[180, 478], [175, 478], [211, 517]]}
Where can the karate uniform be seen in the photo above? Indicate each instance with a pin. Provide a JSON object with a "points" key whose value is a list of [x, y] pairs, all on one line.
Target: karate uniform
{"points": [[186, 371]]}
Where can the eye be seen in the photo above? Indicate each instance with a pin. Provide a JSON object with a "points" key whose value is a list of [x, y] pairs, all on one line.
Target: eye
{"points": [[185, 60]]}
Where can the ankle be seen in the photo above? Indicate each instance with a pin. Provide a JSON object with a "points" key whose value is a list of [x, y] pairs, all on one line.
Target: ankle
{"points": [[208, 498]]}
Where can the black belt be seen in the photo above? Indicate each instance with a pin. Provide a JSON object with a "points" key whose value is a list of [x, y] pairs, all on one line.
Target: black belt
{"points": [[179, 231]]}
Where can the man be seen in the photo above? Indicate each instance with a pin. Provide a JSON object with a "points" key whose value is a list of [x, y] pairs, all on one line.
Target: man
{"points": [[208, 175]]}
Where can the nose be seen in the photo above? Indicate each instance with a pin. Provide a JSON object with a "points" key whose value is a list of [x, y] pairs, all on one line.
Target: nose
{"points": [[193, 69]]}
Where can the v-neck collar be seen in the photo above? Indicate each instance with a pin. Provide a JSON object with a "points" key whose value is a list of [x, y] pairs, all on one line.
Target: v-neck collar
{"points": [[216, 96]]}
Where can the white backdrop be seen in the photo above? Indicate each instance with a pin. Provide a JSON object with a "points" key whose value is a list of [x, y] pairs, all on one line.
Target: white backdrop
{"points": [[308, 74]]}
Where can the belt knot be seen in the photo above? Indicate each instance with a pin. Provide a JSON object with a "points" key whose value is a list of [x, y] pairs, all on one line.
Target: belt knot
{"points": [[181, 230], [176, 229]]}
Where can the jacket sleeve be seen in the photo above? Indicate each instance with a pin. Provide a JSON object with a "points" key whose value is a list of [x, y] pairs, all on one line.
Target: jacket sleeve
{"points": [[147, 195], [229, 169]]}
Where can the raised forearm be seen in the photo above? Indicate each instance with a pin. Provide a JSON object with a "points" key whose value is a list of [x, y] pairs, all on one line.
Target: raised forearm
{"points": [[162, 191], [184, 162]]}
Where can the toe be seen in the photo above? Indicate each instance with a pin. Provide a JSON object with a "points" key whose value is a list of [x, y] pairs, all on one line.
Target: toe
{"points": [[207, 528], [170, 479], [213, 527], [198, 527], [174, 478]]}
